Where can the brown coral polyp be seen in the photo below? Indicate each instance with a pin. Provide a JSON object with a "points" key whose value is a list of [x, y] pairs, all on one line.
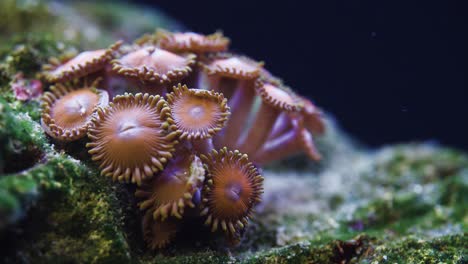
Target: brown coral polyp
{"points": [[198, 114], [67, 111], [133, 137], [233, 188]]}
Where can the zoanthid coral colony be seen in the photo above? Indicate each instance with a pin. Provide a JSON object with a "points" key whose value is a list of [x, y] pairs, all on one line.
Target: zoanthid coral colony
{"points": [[192, 136]]}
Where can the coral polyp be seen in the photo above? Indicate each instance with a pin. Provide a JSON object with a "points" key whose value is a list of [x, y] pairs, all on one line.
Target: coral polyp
{"points": [[279, 97], [81, 65], [67, 111], [199, 114], [192, 42], [133, 137], [233, 188], [149, 63], [232, 66], [174, 188]]}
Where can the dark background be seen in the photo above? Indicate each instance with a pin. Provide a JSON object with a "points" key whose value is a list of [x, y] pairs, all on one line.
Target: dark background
{"points": [[389, 71]]}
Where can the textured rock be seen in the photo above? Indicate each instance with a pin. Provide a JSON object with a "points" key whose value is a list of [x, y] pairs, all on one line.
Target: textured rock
{"points": [[398, 204]]}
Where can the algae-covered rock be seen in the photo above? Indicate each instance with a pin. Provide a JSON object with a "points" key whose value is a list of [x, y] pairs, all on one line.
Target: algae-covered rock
{"points": [[399, 204], [86, 23]]}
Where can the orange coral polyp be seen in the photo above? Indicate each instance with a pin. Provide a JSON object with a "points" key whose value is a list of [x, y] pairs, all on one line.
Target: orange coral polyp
{"points": [[233, 188], [153, 64], [198, 114], [133, 137], [67, 112]]}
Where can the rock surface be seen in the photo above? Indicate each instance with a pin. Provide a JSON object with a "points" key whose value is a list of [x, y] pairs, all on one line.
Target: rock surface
{"points": [[399, 204]]}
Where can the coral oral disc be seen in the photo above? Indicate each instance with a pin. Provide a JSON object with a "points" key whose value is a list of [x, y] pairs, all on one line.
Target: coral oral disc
{"points": [[133, 138], [233, 191], [75, 107], [198, 114], [67, 111], [234, 188], [135, 132]]}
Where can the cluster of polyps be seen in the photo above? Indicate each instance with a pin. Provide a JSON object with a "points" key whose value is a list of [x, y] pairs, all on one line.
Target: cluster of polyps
{"points": [[191, 151]]}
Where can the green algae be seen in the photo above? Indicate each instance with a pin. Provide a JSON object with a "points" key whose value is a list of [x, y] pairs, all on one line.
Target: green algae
{"points": [[205, 257], [24, 55], [79, 220], [4, 78], [445, 249], [425, 187], [365, 249], [422, 165], [127, 20], [23, 16], [22, 142], [29, 51], [24, 188]]}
